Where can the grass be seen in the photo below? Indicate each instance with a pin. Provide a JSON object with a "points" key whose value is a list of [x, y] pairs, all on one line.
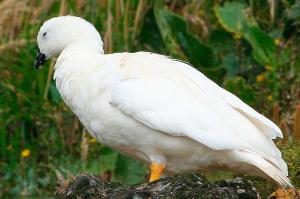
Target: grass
{"points": [[42, 143]]}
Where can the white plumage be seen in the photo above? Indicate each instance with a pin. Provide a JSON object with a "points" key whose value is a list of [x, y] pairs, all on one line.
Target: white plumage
{"points": [[157, 109]]}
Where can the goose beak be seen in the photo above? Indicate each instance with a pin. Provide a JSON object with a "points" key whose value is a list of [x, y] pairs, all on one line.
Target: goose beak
{"points": [[40, 59]]}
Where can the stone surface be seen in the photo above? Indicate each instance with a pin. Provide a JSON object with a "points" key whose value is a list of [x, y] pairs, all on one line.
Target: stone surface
{"points": [[195, 186]]}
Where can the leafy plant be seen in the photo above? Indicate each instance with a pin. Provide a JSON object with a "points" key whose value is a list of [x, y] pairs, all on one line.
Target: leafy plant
{"points": [[236, 17]]}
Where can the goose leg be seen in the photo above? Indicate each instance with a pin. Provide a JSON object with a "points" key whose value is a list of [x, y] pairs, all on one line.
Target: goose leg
{"points": [[156, 171]]}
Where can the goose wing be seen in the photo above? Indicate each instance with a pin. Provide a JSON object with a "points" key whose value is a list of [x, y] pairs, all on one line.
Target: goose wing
{"points": [[172, 97]]}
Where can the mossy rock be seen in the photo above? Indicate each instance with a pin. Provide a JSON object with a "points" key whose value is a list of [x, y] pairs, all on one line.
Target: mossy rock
{"points": [[87, 186]]}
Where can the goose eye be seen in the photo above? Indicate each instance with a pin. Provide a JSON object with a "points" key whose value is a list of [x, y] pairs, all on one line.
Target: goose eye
{"points": [[44, 34]]}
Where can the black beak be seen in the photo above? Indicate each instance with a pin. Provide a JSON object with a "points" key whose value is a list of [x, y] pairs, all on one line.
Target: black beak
{"points": [[40, 59]]}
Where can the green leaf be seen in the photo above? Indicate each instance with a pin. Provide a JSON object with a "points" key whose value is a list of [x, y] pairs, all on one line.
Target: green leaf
{"points": [[175, 22], [235, 17], [222, 41], [174, 32], [166, 33], [150, 35], [198, 54], [232, 16], [263, 46]]}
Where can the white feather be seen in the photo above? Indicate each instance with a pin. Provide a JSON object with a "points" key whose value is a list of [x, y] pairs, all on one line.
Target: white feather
{"points": [[176, 102]]}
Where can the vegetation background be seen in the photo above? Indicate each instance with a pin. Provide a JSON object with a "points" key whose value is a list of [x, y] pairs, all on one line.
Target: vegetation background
{"points": [[250, 47]]}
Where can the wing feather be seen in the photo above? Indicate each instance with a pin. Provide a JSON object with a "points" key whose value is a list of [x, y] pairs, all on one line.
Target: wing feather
{"points": [[163, 106], [264, 124], [172, 97]]}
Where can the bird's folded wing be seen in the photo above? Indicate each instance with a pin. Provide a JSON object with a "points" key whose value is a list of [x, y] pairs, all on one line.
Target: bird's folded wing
{"points": [[268, 128], [174, 98], [142, 64], [163, 105]]}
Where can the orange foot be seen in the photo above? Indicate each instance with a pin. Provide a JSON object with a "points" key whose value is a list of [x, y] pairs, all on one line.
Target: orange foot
{"points": [[156, 171]]}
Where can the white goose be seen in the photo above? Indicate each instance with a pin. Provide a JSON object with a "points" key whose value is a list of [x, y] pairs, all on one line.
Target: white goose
{"points": [[156, 109]]}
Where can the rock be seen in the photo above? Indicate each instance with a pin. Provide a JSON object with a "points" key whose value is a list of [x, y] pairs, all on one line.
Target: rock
{"points": [[87, 186]]}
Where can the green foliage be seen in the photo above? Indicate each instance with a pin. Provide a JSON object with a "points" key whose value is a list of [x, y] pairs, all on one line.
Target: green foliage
{"points": [[236, 17], [238, 44], [291, 153], [185, 45]]}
